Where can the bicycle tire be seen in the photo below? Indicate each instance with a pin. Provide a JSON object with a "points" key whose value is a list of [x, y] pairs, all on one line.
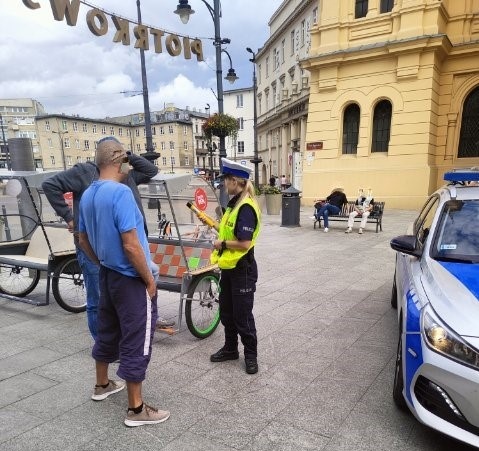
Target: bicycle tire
{"points": [[18, 280], [68, 286], [202, 306]]}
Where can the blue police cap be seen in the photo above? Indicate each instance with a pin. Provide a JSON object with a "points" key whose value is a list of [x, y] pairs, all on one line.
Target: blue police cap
{"points": [[231, 167]]}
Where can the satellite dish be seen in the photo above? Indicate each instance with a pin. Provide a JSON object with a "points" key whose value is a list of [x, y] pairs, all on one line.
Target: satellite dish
{"points": [[13, 188]]}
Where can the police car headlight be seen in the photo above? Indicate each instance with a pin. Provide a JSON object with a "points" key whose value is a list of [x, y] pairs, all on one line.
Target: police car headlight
{"points": [[444, 341]]}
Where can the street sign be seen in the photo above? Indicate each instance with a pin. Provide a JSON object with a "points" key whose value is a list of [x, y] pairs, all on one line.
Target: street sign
{"points": [[243, 162], [201, 199], [196, 170]]}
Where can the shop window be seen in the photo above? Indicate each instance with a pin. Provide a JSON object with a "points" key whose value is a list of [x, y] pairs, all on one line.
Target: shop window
{"points": [[381, 126], [361, 8], [351, 129], [469, 138]]}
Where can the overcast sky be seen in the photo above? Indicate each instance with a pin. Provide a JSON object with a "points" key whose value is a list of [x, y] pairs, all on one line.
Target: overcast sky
{"points": [[70, 70]]}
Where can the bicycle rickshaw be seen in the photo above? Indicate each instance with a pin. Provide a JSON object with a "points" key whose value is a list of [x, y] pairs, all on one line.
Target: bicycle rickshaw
{"points": [[36, 241], [181, 246], [33, 242]]}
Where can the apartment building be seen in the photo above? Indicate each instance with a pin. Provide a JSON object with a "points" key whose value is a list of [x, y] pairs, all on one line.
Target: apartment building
{"points": [[17, 120], [283, 90], [66, 140], [239, 104], [394, 97], [177, 137]]}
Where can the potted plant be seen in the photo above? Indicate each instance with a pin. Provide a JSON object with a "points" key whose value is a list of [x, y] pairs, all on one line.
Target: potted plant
{"points": [[273, 199], [220, 125], [260, 198]]}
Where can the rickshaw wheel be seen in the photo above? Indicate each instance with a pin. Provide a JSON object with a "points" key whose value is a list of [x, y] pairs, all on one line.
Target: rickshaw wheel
{"points": [[68, 286], [202, 306], [17, 280]]}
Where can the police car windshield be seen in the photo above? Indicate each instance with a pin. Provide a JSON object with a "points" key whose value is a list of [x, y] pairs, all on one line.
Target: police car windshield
{"points": [[457, 233]]}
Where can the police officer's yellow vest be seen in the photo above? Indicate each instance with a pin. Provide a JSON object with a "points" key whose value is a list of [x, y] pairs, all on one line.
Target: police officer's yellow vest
{"points": [[230, 257]]}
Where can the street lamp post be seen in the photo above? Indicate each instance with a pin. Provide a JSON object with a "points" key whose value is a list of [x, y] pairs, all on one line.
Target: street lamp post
{"points": [[61, 134], [256, 160], [184, 11], [150, 154], [211, 149]]}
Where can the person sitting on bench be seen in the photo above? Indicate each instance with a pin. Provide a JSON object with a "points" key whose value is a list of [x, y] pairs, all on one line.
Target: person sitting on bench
{"points": [[362, 207], [333, 205]]}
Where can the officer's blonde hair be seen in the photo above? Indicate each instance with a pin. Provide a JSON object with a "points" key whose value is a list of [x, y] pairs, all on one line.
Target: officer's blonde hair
{"points": [[247, 191]]}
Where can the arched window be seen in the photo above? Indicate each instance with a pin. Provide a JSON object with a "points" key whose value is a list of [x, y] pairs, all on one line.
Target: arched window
{"points": [[361, 8], [386, 6], [351, 129], [469, 138], [381, 126]]}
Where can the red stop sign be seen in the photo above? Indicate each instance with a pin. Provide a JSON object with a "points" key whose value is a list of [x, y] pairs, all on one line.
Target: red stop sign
{"points": [[201, 199]]}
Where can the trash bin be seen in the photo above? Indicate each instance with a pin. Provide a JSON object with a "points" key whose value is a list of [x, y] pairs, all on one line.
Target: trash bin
{"points": [[290, 207]]}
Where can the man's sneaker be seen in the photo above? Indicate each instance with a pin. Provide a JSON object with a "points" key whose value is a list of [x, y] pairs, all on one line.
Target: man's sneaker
{"points": [[348, 230], [326, 230], [162, 322], [313, 217], [100, 393], [148, 415], [222, 356], [360, 231]]}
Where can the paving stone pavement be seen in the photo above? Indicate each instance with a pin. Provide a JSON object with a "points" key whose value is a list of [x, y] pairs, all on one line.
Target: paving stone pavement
{"points": [[327, 339]]}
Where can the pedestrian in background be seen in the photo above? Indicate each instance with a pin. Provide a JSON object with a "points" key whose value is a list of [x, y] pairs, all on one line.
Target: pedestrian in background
{"points": [[112, 235], [234, 254]]}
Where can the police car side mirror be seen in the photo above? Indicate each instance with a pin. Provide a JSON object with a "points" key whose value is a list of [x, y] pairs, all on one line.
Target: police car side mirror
{"points": [[407, 244]]}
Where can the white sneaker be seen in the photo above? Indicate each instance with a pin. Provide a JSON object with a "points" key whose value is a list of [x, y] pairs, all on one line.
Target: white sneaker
{"points": [[360, 231], [100, 393], [348, 230], [326, 230], [312, 217]]}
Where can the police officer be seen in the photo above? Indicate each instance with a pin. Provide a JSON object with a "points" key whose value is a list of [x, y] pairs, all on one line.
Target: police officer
{"points": [[234, 254]]}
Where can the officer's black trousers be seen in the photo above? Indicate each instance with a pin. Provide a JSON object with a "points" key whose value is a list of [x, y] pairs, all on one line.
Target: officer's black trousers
{"points": [[238, 286]]}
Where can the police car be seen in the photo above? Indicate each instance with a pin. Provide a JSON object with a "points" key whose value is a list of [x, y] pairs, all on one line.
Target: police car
{"points": [[436, 293]]}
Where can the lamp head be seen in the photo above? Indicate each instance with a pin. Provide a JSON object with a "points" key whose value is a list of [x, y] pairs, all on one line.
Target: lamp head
{"points": [[184, 11], [231, 77]]}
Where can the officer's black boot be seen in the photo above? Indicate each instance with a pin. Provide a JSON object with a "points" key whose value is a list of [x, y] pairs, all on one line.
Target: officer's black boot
{"points": [[251, 366], [222, 355]]}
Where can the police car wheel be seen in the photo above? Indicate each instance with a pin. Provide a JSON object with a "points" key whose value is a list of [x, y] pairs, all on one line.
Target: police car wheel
{"points": [[398, 376], [394, 294]]}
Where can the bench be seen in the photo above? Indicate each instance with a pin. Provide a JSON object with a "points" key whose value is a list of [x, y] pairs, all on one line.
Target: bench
{"points": [[37, 254], [375, 217], [22, 262]]}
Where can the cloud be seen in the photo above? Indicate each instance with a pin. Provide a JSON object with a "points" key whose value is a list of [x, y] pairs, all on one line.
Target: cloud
{"points": [[182, 92], [70, 70]]}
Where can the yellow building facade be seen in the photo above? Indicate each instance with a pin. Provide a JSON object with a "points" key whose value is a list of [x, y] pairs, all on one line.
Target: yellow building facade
{"points": [[394, 97]]}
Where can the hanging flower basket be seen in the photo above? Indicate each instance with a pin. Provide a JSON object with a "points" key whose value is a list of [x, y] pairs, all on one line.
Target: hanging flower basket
{"points": [[220, 125]]}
